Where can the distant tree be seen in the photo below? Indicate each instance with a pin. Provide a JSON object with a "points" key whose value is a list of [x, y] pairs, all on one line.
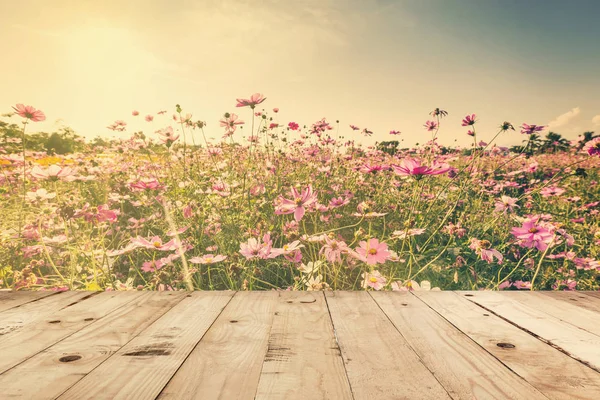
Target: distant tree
{"points": [[554, 142], [390, 147]]}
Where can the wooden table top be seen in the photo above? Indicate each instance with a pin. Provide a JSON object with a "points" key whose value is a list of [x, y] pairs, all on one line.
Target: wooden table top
{"points": [[300, 345]]}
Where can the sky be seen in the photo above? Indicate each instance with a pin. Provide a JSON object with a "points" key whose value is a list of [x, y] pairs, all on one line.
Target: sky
{"points": [[377, 64]]}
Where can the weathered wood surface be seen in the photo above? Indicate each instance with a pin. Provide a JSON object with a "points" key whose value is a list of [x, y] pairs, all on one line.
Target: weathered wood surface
{"points": [[300, 345]]}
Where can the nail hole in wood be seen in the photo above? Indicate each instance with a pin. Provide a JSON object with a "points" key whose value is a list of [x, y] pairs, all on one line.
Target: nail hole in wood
{"points": [[189, 295], [290, 301], [468, 295], [54, 322], [486, 315], [404, 304], [89, 319], [67, 359], [506, 345], [233, 321]]}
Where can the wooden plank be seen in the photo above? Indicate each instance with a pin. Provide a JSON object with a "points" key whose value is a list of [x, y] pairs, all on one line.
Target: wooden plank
{"points": [[580, 299], [553, 373], [10, 299], [593, 294], [577, 343], [303, 360], [142, 368], [56, 369], [13, 320], [39, 335], [379, 362], [577, 316], [227, 362], [463, 367]]}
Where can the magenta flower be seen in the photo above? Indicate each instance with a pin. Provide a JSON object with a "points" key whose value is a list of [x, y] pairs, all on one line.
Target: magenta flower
{"points": [[230, 122], [298, 204], [395, 132], [29, 112], [469, 120], [413, 167], [373, 252], [431, 125], [470, 133], [593, 147], [135, 113], [255, 99], [149, 118], [522, 285], [333, 250], [533, 234], [145, 184], [293, 126], [530, 129], [551, 191], [354, 127]]}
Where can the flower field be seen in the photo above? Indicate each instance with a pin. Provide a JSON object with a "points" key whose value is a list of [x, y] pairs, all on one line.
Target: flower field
{"points": [[277, 205]]}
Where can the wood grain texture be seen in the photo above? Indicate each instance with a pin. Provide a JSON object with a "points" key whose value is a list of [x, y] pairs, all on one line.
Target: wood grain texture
{"points": [[463, 367], [580, 299], [593, 294], [59, 367], [570, 313], [141, 368], [379, 362], [578, 343], [82, 310], [553, 373], [303, 360], [10, 299], [228, 361]]}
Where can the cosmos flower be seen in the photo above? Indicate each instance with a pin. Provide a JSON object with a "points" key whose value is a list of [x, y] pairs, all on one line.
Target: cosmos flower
{"points": [[373, 252], [373, 280], [255, 99], [530, 129], [293, 126], [208, 259], [298, 204], [135, 113], [413, 167], [431, 125], [483, 249], [53, 172], [533, 234], [29, 112], [593, 147], [469, 120], [149, 118], [506, 203]]}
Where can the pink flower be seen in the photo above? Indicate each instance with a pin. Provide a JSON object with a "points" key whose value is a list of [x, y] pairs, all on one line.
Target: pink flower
{"points": [[293, 126], [257, 249], [413, 167], [469, 120], [145, 184], [298, 204], [207, 259], [149, 118], [255, 99], [97, 214], [505, 285], [29, 112], [482, 247], [154, 243], [167, 135], [373, 280], [506, 203], [230, 122], [135, 113], [373, 252], [338, 202], [431, 125], [395, 132], [522, 285], [291, 248], [333, 250], [54, 172], [276, 110], [533, 234], [354, 127], [118, 126], [593, 147], [530, 129], [552, 191]]}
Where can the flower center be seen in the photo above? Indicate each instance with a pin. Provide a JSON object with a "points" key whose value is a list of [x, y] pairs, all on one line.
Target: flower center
{"points": [[157, 244], [533, 230], [373, 279], [298, 200], [372, 251]]}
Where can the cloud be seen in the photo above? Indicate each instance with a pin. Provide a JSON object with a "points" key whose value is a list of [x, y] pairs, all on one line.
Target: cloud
{"points": [[596, 120], [565, 118]]}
